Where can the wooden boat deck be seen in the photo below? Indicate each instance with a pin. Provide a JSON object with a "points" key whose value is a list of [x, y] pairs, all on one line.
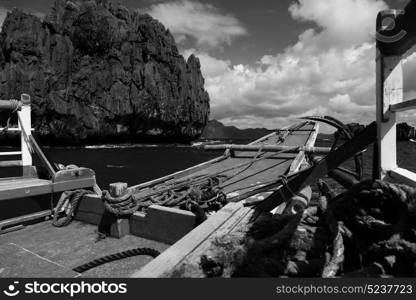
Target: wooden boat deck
{"points": [[45, 251], [42, 250], [250, 176]]}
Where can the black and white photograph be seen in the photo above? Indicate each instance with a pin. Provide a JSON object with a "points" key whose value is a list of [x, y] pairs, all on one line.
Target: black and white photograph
{"points": [[212, 139]]}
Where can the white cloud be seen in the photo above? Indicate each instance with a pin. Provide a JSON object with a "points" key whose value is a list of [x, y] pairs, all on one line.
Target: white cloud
{"points": [[202, 22], [329, 70]]}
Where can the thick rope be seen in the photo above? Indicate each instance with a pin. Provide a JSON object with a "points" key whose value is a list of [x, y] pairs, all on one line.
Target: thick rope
{"points": [[125, 205], [66, 207], [117, 256]]}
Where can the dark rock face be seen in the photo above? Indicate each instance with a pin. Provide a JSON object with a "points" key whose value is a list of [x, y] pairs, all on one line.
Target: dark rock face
{"points": [[97, 72]]}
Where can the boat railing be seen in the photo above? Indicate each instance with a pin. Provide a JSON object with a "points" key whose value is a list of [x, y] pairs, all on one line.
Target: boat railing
{"points": [[396, 36], [23, 109]]}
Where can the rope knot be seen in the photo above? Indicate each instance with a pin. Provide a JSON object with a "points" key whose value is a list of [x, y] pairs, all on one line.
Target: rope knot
{"points": [[123, 205]]}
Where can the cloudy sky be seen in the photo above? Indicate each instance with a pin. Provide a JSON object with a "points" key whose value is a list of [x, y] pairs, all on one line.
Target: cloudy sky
{"points": [[267, 62]]}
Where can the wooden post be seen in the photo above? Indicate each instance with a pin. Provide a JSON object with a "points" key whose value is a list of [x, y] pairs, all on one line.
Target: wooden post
{"points": [[26, 119], [120, 227], [389, 91], [118, 189]]}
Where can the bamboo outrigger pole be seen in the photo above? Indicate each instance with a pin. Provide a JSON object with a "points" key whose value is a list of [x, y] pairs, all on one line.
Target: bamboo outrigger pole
{"points": [[269, 148]]}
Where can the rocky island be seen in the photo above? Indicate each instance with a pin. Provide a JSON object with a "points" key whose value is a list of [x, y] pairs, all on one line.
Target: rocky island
{"points": [[98, 72]]}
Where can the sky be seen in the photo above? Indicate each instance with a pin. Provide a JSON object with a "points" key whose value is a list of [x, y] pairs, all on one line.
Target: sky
{"points": [[268, 62]]}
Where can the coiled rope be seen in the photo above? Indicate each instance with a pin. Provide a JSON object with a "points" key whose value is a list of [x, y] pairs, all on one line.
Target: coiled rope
{"points": [[117, 256], [369, 230], [66, 207]]}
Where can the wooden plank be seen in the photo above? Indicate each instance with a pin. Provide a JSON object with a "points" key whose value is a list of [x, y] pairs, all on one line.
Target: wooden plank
{"points": [[331, 162], [403, 176], [6, 105], [10, 153], [403, 106], [42, 156], [22, 189], [19, 180], [389, 91], [25, 123], [24, 219], [269, 148], [11, 163], [72, 179], [14, 129], [74, 184], [168, 260]]}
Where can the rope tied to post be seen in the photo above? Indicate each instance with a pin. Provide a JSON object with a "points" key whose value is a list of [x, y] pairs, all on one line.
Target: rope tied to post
{"points": [[123, 205]]}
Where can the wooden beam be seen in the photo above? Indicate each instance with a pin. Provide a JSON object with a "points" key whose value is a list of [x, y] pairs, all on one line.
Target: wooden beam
{"points": [[10, 163], [300, 158], [25, 124], [403, 106], [404, 176], [389, 91], [6, 105], [331, 162], [24, 188], [24, 219], [13, 129], [268, 148], [42, 156], [168, 260], [11, 153]]}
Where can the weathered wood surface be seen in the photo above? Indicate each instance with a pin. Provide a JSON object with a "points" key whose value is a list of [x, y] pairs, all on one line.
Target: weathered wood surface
{"points": [[267, 148], [24, 187], [182, 259], [69, 247], [20, 187], [258, 172]]}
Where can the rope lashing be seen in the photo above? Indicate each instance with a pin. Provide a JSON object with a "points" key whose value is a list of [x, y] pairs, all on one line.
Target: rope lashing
{"points": [[124, 205]]}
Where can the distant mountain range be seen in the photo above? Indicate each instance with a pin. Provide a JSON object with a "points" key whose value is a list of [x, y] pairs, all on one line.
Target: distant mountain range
{"points": [[215, 130]]}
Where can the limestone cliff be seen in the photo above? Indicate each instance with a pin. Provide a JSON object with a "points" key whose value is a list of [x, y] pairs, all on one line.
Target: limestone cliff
{"points": [[98, 72]]}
